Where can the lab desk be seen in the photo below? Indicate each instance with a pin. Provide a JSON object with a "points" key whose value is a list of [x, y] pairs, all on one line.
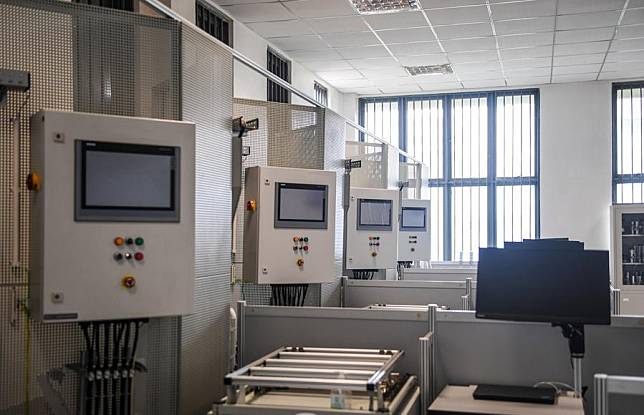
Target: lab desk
{"points": [[458, 400]]}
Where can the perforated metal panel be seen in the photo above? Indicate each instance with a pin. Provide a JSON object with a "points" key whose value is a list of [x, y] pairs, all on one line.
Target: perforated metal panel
{"points": [[207, 101], [81, 58]]}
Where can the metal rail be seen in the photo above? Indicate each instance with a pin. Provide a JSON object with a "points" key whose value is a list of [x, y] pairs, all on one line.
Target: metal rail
{"points": [[619, 385], [162, 8]]}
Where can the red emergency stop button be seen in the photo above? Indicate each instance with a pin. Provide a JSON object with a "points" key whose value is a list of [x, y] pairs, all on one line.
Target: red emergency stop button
{"points": [[128, 281]]}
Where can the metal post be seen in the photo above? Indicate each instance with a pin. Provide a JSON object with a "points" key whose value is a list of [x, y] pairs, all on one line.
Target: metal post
{"points": [[465, 303], [616, 297], [431, 317], [600, 394], [346, 202], [468, 293], [343, 290], [576, 369], [425, 346], [241, 327]]}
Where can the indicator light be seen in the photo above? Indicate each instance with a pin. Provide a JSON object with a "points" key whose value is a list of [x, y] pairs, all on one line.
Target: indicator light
{"points": [[129, 241], [296, 239], [370, 238], [300, 262], [127, 255], [295, 248], [138, 256], [118, 256], [138, 241], [306, 248], [374, 253], [118, 241], [306, 239]]}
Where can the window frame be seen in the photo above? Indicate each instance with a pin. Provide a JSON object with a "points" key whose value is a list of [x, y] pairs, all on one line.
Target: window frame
{"points": [[272, 86], [618, 178], [218, 15], [447, 183], [321, 93]]}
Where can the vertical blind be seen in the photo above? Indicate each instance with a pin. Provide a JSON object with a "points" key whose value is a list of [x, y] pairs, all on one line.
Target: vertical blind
{"points": [[482, 155], [628, 149]]}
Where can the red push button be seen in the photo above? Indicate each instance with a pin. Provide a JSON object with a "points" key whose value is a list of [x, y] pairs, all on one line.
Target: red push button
{"points": [[138, 256]]}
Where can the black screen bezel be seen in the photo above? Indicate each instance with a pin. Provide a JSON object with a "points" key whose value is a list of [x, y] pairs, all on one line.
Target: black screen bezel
{"points": [[300, 223]]}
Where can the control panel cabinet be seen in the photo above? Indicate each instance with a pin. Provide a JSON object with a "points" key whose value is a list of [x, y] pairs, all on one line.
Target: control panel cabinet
{"points": [[112, 214], [627, 256], [414, 235], [289, 228], [372, 229]]}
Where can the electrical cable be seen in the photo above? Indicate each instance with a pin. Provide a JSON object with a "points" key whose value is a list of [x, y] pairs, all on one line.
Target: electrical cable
{"points": [[106, 375], [124, 360]]}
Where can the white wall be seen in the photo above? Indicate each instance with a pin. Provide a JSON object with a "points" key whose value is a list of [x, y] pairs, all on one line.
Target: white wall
{"points": [[576, 162], [249, 84]]}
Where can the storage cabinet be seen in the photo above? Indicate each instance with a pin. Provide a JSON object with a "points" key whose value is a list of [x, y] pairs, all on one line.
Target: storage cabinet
{"points": [[627, 255]]}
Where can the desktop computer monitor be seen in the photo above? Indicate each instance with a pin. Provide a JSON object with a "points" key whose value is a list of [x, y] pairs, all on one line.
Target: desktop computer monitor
{"points": [[559, 286]]}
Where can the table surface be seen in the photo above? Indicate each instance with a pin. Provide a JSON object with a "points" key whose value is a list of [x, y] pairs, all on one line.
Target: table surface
{"points": [[459, 400]]}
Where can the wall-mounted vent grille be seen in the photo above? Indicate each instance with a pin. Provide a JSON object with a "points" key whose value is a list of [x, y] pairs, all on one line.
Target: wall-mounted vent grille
{"points": [[429, 69], [384, 6]]}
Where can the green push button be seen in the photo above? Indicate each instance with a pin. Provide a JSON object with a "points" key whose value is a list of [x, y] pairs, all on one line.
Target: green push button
{"points": [[138, 241]]}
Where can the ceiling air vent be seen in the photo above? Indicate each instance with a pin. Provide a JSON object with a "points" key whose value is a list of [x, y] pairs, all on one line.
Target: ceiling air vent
{"points": [[429, 69], [384, 6]]}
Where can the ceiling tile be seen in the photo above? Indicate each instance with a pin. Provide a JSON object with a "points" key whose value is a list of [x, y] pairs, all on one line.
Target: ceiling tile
{"points": [[438, 4], [458, 15], [362, 91], [614, 75], [627, 44], [320, 8], [581, 48], [578, 59], [420, 34], [462, 31], [400, 89], [477, 56], [308, 42], [527, 63], [405, 80], [340, 75], [435, 79], [515, 10], [434, 59], [440, 86], [525, 25], [527, 71], [374, 63], [260, 12], [584, 35], [352, 83], [480, 76], [412, 49], [587, 20], [580, 77], [635, 4], [463, 68], [521, 53], [315, 55], [627, 56], [339, 40], [466, 45], [380, 74], [634, 16], [576, 69], [528, 80], [637, 67], [230, 2], [363, 52], [400, 20], [337, 24], [582, 6], [520, 41], [491, 83], [280, 29], [329, 65], [630, 32]]}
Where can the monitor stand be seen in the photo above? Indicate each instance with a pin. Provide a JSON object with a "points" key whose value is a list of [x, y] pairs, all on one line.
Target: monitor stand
{"points": [[575, 335]]}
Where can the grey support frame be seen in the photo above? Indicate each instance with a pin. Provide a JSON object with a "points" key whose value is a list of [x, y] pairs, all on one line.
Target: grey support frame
{"points": [[605, 385]]}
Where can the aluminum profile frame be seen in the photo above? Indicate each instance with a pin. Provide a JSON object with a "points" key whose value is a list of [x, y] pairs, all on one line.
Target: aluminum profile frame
{"points": [[604, 385]]}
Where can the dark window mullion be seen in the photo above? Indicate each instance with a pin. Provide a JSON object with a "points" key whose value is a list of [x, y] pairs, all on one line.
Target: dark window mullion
{"points": [[447, 174], [491, 170]]}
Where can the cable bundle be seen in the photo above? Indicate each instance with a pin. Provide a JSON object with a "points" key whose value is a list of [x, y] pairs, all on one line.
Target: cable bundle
{"points": [[109, 373], [365, 274], [289, 295]]}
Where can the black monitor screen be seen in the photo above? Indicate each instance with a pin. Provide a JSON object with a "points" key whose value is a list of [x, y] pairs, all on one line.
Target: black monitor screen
{"points": [[547, 285], [374, 214]]}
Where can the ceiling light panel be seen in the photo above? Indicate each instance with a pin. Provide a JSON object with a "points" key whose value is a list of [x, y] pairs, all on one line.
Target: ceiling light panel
{"points": [[384, 6], [429, 70]]}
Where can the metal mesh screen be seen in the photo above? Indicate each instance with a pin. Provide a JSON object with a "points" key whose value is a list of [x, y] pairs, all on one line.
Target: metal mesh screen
{"points": [[81, 58], [291, 136]]}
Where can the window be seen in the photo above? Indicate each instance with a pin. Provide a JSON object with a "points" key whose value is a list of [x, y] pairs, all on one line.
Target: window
{"points": [[481, 152], [214, 23], [112, 4], [281, 67], [321, 94], [628, 147]]}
